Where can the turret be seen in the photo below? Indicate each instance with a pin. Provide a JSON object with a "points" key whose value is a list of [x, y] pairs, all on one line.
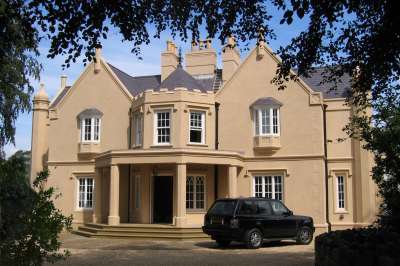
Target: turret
{"points": [[39, 145]]}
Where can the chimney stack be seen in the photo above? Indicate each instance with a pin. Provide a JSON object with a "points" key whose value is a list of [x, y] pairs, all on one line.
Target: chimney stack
{"points": [[63, 82], [230, 59], [169, 60], [97, 59], [202, 59]]}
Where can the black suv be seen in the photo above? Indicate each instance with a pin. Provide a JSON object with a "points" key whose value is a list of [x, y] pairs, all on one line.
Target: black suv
{"points": [[251, 220]]}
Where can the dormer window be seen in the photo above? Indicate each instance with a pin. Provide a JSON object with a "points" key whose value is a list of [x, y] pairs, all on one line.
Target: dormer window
{"points": [[90, 120], [266, 117]]}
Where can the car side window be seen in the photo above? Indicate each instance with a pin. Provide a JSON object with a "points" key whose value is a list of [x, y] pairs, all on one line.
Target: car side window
{"points": [[278, 207], [248, 207], [264, 208]]}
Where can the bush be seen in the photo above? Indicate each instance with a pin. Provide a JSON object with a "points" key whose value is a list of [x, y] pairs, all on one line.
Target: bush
{"points": [[29, 221], [366, 247]]}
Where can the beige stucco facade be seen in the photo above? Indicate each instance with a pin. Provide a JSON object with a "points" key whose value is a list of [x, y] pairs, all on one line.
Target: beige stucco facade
{"points": [[126, 159]]}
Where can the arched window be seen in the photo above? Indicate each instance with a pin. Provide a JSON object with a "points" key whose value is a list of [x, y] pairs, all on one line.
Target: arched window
{"points": [[90, 121], [266, 116]]}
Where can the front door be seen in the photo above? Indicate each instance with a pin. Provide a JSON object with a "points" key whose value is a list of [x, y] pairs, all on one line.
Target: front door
{"points": [[162, 199]]}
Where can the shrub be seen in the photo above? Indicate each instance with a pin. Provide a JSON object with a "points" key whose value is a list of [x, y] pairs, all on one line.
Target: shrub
{"points": [[366, 247]]}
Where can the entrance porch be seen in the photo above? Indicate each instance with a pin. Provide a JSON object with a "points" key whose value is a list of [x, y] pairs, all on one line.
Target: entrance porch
{"points": [[169, 187]]}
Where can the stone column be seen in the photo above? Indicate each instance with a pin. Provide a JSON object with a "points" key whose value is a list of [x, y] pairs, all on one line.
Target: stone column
{"points": [[232, 181], [97, 195], [180, 195], [113, 218]]}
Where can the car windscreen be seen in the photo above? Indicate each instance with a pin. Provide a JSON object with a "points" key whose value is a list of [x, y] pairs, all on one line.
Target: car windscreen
{"points": [[223, 207]]}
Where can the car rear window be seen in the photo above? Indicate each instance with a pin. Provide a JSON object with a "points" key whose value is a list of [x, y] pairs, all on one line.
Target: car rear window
{"points": [[223, 207]]}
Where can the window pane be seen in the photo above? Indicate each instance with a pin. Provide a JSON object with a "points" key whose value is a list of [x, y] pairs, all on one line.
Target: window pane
{"points": [[278, 207], [96, 129], [199, 192], [268, 187], [275, 121], [278, 187], [340, 191], [264, 208], [85, 198], [265, 121], [163, 127], [87, 128], [196, 127], [257, 122], [248, 207], [189, 192], [258, 187]]}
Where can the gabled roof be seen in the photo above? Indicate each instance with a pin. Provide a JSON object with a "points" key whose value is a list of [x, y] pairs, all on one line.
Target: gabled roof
{"points": [[179, 78], [314, 81]]}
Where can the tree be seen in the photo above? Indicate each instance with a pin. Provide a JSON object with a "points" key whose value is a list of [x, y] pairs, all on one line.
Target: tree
{"points": [[29, 222], [18, 63]]}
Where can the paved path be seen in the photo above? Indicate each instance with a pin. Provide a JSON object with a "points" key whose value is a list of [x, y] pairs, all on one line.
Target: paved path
{"points": [[91, 251]]}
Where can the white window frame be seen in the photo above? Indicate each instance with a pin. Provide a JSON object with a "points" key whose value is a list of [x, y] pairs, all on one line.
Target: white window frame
{"points": [[155, 135], [195, 209], [340, 208], [273, 191], [92, 129], [138, 127], [202, 129], [258, 125], [78, 200], [137, 192]]}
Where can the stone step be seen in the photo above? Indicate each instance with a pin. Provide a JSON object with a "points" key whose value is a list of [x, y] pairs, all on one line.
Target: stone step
{"points": [[135, 231], [141, 230]]}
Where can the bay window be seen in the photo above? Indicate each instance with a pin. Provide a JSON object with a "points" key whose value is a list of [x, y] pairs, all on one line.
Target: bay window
{"points": [[266, 121], [90, 129]]}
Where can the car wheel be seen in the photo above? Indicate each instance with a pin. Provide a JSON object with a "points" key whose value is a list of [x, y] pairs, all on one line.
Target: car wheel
{"points": [[253, 238], [304, 235], [223, 243]]}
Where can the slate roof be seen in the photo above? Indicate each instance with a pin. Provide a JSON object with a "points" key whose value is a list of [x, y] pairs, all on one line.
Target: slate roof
{"points": [[267, 101], [136, 85], [180, 78], [316, 77], [60, 96]]}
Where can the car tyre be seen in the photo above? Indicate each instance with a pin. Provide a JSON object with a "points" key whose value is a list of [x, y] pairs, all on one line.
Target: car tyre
{"points": [[223, 243], [253, 238], [304, 235]]}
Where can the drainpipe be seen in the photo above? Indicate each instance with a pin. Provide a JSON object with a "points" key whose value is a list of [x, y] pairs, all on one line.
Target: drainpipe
{"points": [[216, 148], [326, 169], [129, 174]]}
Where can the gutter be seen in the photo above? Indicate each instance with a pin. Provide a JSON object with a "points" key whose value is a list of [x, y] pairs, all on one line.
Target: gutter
{"points": [[216, 148], [129, 174], [326, 170]]}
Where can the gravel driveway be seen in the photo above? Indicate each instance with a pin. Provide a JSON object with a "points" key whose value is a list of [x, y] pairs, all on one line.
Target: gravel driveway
{"points": [[92, 251]]}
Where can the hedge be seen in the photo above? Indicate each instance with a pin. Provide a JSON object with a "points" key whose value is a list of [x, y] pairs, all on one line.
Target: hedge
{"points": [[358, 247]]}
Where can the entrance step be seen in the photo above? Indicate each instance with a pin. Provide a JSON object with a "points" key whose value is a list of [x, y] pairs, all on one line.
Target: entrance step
{"points": [[141, 231]]}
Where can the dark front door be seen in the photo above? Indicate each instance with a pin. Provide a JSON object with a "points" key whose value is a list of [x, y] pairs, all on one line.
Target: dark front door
{"points": [[162, 199]]}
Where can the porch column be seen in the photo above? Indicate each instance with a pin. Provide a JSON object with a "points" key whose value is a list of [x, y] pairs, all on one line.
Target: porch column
{"points": [[97, 195], [232, 181], [180, 195], [113, 218]]}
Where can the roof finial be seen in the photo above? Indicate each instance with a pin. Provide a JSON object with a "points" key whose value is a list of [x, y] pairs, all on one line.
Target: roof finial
{"points": [[180, 59]]}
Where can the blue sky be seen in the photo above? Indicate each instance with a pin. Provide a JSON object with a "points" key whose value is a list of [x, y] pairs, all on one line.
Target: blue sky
{"points": [[118, 53]]}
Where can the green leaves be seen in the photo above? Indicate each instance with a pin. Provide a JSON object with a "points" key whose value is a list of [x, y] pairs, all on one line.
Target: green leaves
{"points": [[29, 221]]}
